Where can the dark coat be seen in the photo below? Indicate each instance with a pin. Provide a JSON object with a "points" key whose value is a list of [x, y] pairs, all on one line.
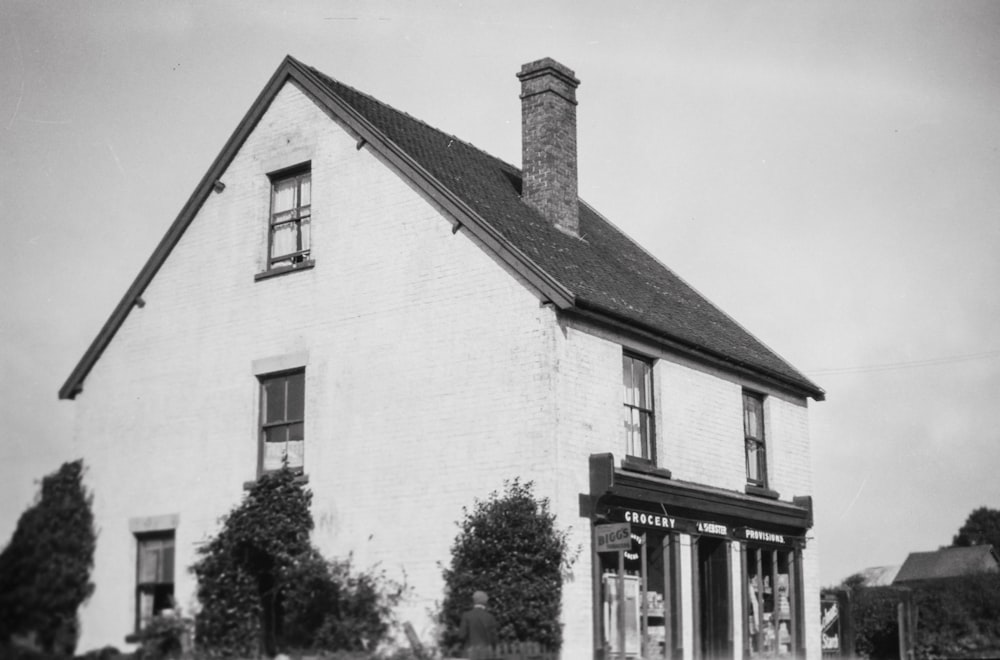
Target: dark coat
{"points": [[478, 629]]}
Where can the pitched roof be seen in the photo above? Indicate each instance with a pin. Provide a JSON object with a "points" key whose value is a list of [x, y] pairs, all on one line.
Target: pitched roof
{"points": [[879, 576], [602, 274], [948, 562]]}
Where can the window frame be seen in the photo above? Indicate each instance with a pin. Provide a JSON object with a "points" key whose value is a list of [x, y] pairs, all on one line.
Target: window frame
{"points": [[151, 587], [263, 425], [758, 445], [760, 561], [301, 257], [649, 442]]}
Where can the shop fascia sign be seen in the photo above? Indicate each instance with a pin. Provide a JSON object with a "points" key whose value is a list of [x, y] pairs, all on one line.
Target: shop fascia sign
{"points": [[667, 522], [671, 523]]}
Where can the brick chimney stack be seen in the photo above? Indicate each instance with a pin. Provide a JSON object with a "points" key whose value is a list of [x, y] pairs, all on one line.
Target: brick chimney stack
{"points": [[548, 142]]}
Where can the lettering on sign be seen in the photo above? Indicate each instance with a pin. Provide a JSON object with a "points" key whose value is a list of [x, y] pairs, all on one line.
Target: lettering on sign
{"points": [[758, 535], [613, 537], [650, 519], [712, 528]]}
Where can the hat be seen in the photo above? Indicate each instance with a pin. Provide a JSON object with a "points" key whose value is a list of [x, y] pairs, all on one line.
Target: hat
{"points": [[480, 598]]}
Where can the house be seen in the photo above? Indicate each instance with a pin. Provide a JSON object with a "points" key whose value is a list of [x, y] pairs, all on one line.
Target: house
{"points": [[947, 563], [411, 321]]}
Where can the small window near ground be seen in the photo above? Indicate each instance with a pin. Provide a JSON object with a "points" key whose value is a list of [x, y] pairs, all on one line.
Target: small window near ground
{"points": [[282, 413], [753, 433], [154, 590], [290, 226], [637, 378]]}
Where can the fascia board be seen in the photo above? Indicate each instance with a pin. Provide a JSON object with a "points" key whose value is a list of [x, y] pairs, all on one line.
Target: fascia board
{"points": [[74, 384]]}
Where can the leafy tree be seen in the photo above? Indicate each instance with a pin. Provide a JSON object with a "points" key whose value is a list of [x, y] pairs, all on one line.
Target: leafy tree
{"points": [[981, 527], [509, 546], [243, 570], [263, 586], [45, 568]]}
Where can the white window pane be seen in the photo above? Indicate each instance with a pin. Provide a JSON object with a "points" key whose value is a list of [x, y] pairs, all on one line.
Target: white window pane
{"points": [[274, 452], [753, 462], [296, 454], [149, 562], [145, 608], [642, 371], [306, 233], [284, 195], [632, 432], [284, 239], [306, 191], [644, 436]]}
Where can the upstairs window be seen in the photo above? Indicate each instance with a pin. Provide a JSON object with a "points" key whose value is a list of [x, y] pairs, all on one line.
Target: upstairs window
{"points": [[154, 591], [282, 413], [637, 378], [753, 433], [290, 225]]}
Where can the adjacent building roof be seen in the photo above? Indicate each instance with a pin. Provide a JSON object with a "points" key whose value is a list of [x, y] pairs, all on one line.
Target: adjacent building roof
{"points": [[948, 562], [601, 274], [878, 576]]}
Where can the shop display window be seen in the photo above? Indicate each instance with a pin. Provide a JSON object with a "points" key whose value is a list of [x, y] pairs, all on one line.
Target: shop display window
{"points": [[640, 608], [772, 602]]}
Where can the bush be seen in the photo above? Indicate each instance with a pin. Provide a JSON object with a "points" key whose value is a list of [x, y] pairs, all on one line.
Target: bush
{"points": [[508, 546], [958, 616], [45, 569], [876, 626], [166, 635], [332, 606], [263, 586], [955, 617], [244, 570]]}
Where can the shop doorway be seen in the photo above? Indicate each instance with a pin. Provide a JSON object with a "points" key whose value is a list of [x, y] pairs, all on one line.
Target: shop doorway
{"points": [[714, 606], [640, 598]]}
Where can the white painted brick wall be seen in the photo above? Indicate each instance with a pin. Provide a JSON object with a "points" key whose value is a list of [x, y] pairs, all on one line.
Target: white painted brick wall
{"points": [[424, 383], [433, 375]]}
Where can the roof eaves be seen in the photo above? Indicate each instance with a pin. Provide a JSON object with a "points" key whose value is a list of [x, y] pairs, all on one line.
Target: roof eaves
{"points": [[74, 384], [596, 313]]}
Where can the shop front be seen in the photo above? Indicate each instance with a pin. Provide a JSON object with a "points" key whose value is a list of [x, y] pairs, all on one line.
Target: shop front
{"points": [[688, 571]]}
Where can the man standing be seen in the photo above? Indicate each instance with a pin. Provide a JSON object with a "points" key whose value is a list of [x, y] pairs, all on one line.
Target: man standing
{"points": [[478, 630]]}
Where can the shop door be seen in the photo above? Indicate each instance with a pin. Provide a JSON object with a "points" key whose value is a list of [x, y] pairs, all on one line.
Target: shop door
{"points": [[713, 599]]}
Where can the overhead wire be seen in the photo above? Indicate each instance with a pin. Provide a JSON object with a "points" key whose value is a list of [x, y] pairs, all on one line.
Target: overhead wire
{"points": [[892, 366]]}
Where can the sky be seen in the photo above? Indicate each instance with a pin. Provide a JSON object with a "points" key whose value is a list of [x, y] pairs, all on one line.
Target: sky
{"points": [[826, 173]]}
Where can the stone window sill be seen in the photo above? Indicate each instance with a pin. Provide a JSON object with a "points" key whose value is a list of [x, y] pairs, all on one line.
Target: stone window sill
{"points": [[283, 270], [645, 466], [301, 479], [761, 491]]}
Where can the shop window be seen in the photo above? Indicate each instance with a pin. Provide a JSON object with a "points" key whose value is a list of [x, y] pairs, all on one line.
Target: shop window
{"points": [[637, 378], [154, 591], [640, 602], [773, 598], [753, 432], [282, 412], [290, 219]]}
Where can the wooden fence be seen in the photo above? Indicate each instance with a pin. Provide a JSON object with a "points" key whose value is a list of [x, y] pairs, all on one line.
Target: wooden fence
{"points": [[514, 651]]}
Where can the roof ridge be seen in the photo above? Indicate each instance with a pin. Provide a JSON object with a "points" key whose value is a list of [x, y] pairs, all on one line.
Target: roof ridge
{"points": [[418, 120]]}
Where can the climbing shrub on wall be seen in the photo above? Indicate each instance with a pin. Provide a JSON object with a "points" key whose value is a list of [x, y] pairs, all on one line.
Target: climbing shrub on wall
{"points": [[262, 586], [510, 547], [45, 568]]}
